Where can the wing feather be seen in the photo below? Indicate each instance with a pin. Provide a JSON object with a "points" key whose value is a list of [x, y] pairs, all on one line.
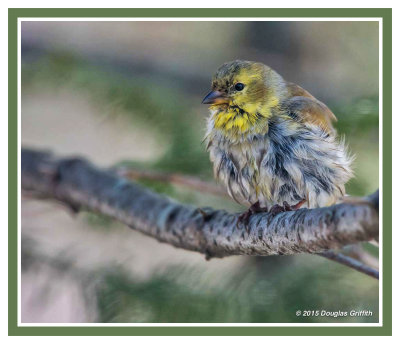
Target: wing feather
{"points": [[303, 107]]}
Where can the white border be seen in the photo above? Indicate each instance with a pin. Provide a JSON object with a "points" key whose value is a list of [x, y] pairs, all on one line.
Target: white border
{"points": [[379, 324]]}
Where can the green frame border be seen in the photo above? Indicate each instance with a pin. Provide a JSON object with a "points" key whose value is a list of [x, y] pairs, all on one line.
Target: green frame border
{"points": [[386, 212]]}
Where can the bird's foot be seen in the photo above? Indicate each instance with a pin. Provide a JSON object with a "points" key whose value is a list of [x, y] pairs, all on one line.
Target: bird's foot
{"points": [[244, 217], [276, 209], [254, 209]]}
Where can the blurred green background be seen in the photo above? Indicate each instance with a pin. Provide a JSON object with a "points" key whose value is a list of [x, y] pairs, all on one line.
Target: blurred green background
{"points": [[130, 93]]}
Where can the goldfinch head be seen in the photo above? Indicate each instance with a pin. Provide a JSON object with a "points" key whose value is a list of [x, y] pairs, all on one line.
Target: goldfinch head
{"points": [[247, 86]]}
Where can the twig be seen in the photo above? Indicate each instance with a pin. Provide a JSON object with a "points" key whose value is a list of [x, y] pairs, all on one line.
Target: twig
{"points": [[357, 252], [174, 178], [78, 184], [350, 262]]}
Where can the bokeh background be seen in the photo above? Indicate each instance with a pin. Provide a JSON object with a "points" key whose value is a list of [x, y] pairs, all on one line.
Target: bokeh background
{"points": [[130, 93]]}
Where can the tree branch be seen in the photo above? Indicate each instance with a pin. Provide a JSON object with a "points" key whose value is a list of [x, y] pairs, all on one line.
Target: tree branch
{"points": [[78, 184], [357, 258]]}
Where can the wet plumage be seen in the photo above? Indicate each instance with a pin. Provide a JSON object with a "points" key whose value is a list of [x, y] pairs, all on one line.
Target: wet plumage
{"points": [[271, 142]]}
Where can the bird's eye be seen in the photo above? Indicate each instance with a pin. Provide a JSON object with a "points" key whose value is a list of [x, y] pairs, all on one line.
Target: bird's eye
{"points": [[239, 86]]}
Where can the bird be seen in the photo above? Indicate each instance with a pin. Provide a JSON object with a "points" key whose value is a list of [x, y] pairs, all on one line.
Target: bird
{"points": [[271, 143]]}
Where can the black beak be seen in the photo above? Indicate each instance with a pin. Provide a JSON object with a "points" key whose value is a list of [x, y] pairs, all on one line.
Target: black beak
{"points": [[215, 97]]}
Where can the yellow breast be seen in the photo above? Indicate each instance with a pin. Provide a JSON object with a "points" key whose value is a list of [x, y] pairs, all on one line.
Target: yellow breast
{"points": [[238, 120], [231, 119]]}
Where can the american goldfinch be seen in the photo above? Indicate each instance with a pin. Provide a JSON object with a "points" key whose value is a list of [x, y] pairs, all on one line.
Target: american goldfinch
{"points": [[271, 143]]}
